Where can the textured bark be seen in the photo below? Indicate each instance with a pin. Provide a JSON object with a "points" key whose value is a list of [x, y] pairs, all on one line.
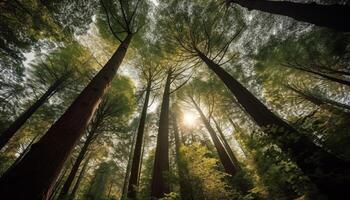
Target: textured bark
{"points": [[159, 185], [73, 172], [37, 172], [227, 146], [135, 167], [18, 123], [331, 16], [224, 157], [329, 173], [80, 178]]}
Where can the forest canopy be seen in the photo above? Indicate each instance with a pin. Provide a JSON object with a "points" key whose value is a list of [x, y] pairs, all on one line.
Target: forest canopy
{"points": [[174, 100]]}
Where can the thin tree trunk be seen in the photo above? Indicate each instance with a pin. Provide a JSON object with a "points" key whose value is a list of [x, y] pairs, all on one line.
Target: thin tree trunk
{"points": [[135, 167], [37, 172], [336, 17], [185, 187], [224, 157], [238, 129], [159, 185], [80, 178], [128, 168], [18, 123], [327, 77], [67, 184], [318, 100], [318, 164], [227, 146]]}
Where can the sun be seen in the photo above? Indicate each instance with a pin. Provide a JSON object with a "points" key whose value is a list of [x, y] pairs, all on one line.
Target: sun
{"points": [[189, 119]]}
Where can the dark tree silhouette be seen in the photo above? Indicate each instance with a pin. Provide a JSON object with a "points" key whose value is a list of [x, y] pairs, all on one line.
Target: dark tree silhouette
{"points": [[336, 17], [6, 135]]}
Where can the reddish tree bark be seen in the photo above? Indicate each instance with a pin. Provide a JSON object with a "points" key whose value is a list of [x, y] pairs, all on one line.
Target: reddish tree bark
{"points": [[18, 123], [159, 185], [37, 172], [331, 16], [135, 167]]}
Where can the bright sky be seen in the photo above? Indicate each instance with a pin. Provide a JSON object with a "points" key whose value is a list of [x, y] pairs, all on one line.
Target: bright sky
{"points": [[155, 2], [189, 118]]}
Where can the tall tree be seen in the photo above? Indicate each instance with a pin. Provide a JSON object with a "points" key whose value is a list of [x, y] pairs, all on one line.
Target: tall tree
{"points": [[54, 147], [174, 77], [79, 179], [226, 144], [150, 75], [115, 108], [307, 12], [60, 69], [316, 98], [200, 39], [186, 192], [223, 155], [160, 186]]}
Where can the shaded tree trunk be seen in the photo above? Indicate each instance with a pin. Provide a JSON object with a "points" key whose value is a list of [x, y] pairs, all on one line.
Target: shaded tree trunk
{"points": [[336, 17], [159, 185], [128, 168], [227, 146], [325, 76], [318, 100], [135, 167], [24, 152], [18, 123], [67, 184], [37, 172], [328, 172], [224, 157], [80, 178], [58, 183]]}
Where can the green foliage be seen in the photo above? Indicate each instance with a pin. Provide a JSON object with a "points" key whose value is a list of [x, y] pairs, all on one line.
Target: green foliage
{"points": [[281, 177], [207, 182]]}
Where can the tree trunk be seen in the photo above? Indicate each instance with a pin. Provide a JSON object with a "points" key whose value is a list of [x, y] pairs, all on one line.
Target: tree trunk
{"points": [[185, 187], [128, 168], [227, 146], [160, 186], [318, 101], [58, 183], [18, 123], [318, 164], [135, 167], [336, 17], [224, 157], [24, 152], [37, 172], [325, 76], [67, 184], [80, 178]]}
